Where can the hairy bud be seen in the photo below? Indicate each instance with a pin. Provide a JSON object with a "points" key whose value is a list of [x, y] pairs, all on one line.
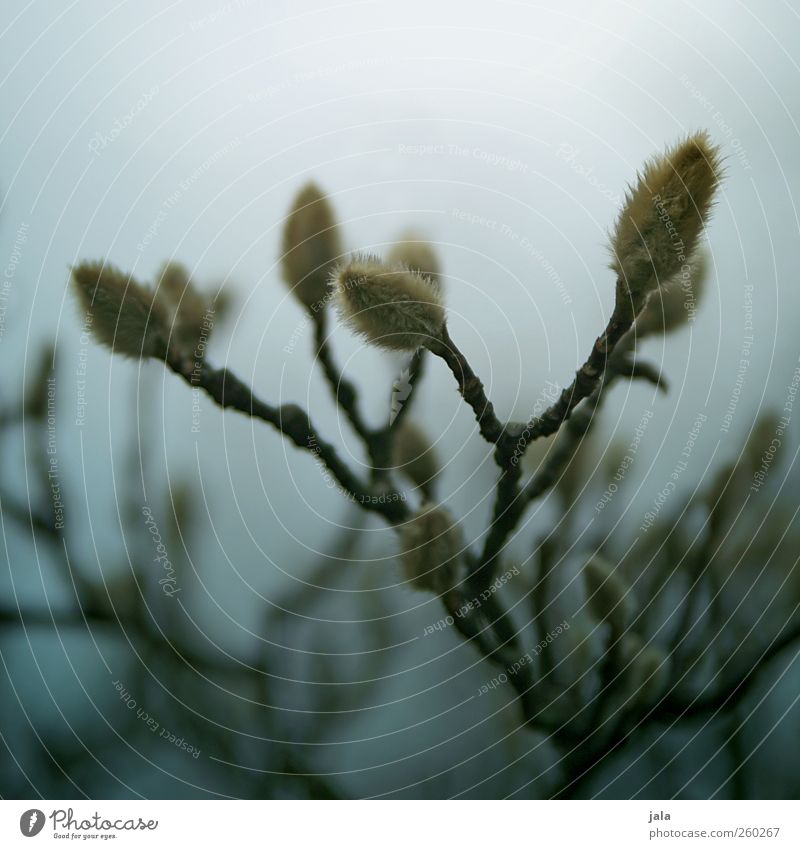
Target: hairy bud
{"points": [[417, 254], [192, 315], [663, 218], [393, 308], [669, 307], [125, 316], [311, 247], [413, 456], [609, 597], [431, 544]]}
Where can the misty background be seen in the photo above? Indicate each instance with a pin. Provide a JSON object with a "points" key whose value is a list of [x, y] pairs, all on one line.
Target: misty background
{"points": [[506, 133]]}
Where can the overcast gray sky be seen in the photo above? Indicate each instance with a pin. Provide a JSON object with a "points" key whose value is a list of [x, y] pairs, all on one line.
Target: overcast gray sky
{"points": [[505, 131]]}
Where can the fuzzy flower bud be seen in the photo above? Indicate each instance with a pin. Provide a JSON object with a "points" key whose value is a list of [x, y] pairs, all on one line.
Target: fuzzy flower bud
{"points": [[431, 543], [192, 315], [663, 217], [609, 596], [311, 247], [394, 308], [126, 316], [416, 254], [413, 456], [669, 307]]}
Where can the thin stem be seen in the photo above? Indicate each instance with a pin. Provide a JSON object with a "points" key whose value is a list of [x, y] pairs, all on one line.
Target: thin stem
{"points": [[669, 710], [344, 391], [587, 380], [509, 506], [513, 440], [734, 690], [470, 387], [539, 595], [511, 501], [497, 643], [377, 441], [293, 422]]}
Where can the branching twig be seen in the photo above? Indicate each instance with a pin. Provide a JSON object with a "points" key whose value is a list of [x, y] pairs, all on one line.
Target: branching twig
{"points": [[588, 379], [377, 441], [670, 709], [290, 420]]}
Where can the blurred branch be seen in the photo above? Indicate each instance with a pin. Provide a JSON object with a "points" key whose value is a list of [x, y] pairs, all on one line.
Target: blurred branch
{"points": [[344, 390], [289, 420]]}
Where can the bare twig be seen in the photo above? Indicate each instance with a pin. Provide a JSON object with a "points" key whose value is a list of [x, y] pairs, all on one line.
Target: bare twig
{"points": [[670, 709], [470, 387], [293, 422], [588, 379], [343, 389]]}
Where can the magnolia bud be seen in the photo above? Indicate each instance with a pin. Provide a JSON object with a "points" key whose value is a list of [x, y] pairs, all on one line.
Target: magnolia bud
{"points": [[192, 316], [668, 308], [418, 255], [663, 218], [431, 545], [393, 308], [413, 456], [126, 316], [311, 247], [609, 596]]}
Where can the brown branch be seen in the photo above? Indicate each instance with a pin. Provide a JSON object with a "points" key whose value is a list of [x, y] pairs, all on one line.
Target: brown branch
{"points": [[670, 710], [512, 501], [588, 379], [509, 506], [377, 441], [496, 642], [290, 420], [512, 439], [344, 391], [470, 387]]}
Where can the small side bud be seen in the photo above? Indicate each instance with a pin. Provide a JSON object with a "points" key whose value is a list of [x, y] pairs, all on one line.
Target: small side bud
{"points": [[416, 254], [126, 316], [663, 218], [393, 308], [431, 544], [311, 247], [609, 596], [413, 457]]}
